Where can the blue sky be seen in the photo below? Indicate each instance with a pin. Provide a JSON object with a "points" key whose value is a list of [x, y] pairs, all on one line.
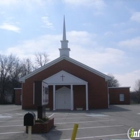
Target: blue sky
{"points": [[103, 34]]}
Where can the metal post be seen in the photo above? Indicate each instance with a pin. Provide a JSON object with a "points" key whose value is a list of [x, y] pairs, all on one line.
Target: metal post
{"points": [[29, 132], [74, 132]]}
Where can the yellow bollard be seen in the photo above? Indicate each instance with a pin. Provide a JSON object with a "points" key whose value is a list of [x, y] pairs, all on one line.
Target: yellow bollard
{"points": [[74, 132]]}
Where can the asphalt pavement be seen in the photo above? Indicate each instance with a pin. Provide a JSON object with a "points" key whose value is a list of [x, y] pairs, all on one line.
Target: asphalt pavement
{"points": [[106, 124]]}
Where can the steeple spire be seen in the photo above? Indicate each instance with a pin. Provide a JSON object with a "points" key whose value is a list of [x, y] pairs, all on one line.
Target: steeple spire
{"points": [[64, 50], [64, 30]]}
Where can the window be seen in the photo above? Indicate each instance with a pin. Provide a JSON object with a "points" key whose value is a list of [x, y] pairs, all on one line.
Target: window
{"points": [[121, 97]]}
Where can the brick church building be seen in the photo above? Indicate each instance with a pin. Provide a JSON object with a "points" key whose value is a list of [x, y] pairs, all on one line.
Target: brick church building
{"points": [[72, 85]]}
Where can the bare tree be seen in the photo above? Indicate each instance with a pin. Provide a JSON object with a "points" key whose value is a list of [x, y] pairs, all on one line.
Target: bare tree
{"points": [[135, 96], [41, 59], [12, 68], [26, 67], [8, 64], [137, 86], [113, 82]]}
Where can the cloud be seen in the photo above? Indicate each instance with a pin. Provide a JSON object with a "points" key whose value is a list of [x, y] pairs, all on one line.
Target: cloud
{"points": [[119, 25], [109, 33], [129, 31], [84, 44], [135, 17], [128, 79], [81, 38], [81, 44], [131, 43], [8, 2], [28, 4], [27, 48], [98, 59], [47, 23], [84, 49], [10, 27], [98, 4]]}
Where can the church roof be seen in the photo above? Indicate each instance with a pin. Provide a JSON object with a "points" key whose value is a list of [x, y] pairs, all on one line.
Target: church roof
{"points": [[69, 60]]}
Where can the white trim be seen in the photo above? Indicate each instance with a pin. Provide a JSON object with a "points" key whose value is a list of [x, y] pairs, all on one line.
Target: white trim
{"points": [[86, 96], [54, 100], [68, 59], [17, 88], [68, 80], [71, 97]]}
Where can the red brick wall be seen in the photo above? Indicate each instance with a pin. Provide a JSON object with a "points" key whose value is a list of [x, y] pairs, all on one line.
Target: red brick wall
{"points": [[17, 96], [97, 86], [79, 96], [27, 95], [50, 105], [115, 95]]}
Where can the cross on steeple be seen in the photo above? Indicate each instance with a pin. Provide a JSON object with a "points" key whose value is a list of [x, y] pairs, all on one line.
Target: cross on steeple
{"points": [[62, 77]]}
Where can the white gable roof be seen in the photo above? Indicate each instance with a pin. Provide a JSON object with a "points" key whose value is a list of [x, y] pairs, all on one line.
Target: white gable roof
{"points": [[64, 78], [60, 59]]}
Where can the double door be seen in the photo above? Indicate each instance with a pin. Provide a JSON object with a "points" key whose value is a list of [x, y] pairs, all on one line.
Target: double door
{"points": [[63, 98]]}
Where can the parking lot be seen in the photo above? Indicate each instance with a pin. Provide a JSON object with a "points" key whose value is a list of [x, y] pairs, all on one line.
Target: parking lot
{"points": [[112, 123]]}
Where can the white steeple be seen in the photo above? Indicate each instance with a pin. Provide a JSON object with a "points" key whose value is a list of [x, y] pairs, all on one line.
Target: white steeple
{"points": [[64, 30], [64, 50]]}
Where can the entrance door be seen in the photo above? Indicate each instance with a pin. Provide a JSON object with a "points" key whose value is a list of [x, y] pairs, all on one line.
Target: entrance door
{"points": [[63, 98]]}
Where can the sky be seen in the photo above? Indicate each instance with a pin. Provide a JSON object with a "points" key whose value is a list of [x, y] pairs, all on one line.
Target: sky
{"points": [[103, 34]]}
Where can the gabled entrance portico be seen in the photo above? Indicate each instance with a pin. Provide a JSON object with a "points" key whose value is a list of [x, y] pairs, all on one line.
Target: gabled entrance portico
{"points": [[64, 79]]}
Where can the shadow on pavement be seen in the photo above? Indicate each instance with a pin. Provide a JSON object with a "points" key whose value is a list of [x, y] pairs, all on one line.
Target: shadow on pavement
{"points": [[112, 108], [118, 108], [54, 134]]}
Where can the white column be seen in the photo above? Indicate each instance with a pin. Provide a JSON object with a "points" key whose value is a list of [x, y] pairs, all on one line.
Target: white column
{"points": [[86, 96], [53, 97], [71, 96]]}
